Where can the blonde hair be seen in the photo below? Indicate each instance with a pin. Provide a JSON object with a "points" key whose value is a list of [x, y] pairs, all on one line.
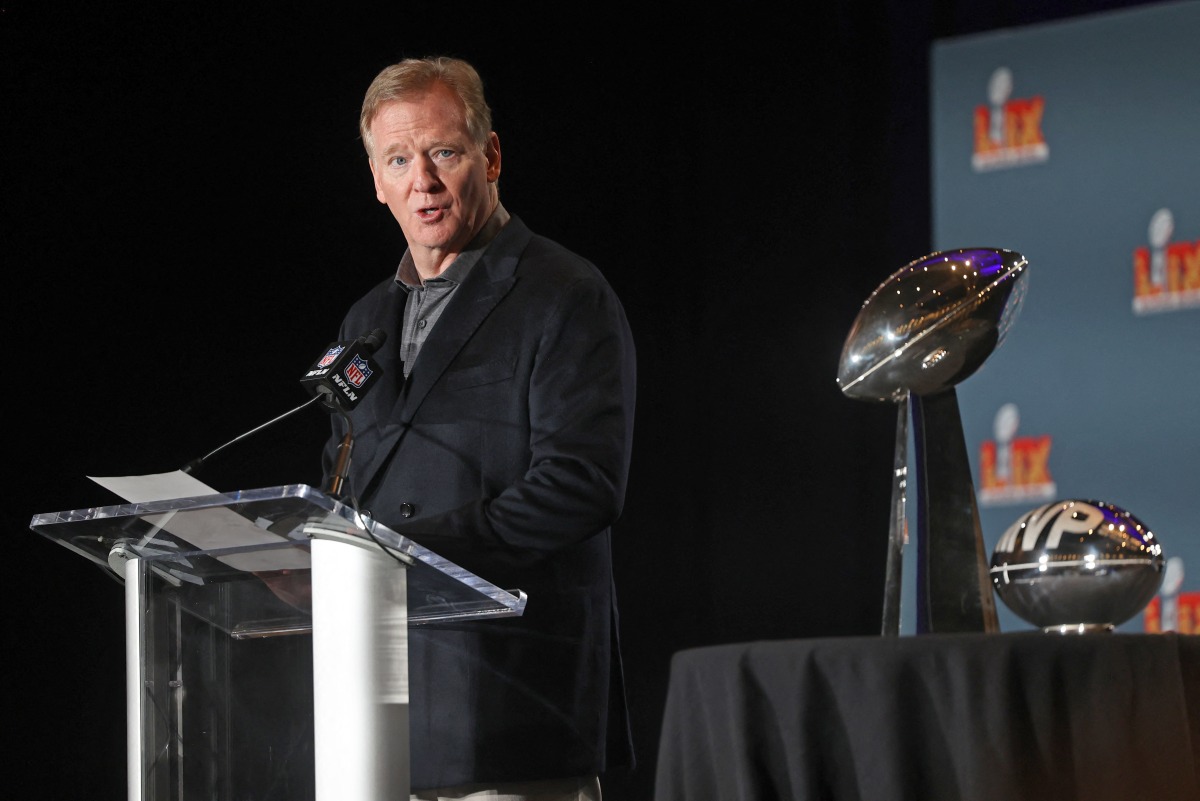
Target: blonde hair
{"points": [[412, 76]]}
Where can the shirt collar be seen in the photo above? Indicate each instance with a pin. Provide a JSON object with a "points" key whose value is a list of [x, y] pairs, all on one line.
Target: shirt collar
{"points": [[406, 273]]}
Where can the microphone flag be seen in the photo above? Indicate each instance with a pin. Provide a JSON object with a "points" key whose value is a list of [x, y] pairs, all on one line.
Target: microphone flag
{"points": [[344, 372]]}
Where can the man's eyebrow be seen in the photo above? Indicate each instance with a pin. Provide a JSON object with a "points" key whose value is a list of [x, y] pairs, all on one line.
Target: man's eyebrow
{"points": [[439, 144]]}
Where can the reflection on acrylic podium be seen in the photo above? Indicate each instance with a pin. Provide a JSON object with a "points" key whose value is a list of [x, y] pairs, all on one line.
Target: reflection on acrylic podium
{"points": [[266, 641]]}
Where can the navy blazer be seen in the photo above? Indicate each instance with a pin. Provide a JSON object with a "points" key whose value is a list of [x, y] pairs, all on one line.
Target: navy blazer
{"points": [[507, 452]]}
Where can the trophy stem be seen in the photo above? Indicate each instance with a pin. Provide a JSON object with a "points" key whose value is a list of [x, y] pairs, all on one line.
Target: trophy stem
{"points": [[898, 528], [953, 590]]}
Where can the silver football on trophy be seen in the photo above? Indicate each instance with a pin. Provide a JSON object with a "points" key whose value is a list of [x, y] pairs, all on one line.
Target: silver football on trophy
{"points": [[932, 323], [1077, 566]]}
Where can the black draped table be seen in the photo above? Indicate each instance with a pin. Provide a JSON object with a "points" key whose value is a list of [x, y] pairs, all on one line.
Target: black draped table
{"points": [[1019, 716]]}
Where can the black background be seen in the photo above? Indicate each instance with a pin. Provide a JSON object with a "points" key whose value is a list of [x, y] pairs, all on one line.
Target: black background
{"points": [[187, 212]]}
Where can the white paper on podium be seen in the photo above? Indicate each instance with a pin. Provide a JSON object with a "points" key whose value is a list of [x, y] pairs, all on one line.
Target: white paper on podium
{"points": [[207, 529], [156, 486]]}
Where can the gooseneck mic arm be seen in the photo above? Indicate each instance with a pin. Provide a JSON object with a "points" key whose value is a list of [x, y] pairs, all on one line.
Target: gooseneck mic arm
{"points": [[196, 464]]}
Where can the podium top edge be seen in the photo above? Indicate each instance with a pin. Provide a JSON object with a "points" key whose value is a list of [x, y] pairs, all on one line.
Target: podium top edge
{"points": [[192, 502]]}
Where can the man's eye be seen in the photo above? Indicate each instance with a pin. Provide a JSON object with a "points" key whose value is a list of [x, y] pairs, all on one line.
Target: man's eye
{"points": [[444, 153], [398, 161]]}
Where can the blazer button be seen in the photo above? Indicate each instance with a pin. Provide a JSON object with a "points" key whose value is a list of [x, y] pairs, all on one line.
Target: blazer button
{"points": [[407, 510]]}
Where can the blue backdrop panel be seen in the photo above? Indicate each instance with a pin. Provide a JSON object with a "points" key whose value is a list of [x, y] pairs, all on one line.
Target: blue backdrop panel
{"points": [[1078, 144]]}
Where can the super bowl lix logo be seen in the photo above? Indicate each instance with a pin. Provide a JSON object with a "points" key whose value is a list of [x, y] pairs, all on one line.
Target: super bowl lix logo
{"points": [[1172, 610], [1008, 132], [1166, 274], [1014, 469]]}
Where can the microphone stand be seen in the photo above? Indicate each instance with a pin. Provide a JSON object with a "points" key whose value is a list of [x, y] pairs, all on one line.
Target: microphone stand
{"points": [[342, 468]]}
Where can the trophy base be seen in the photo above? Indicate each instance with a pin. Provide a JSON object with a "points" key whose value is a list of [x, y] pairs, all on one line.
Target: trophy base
{"points": [[1080, 628]]}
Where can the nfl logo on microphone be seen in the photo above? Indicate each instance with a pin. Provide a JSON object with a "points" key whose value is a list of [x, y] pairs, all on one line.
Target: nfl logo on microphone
{"points": [[330, 355], [357, 371]]}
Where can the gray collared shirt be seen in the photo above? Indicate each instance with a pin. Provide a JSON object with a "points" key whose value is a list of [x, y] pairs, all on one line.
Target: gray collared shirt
{"points": [[428, 299]]}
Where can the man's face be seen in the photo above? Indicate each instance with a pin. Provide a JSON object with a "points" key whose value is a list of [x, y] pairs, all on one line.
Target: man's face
{"points": [[432, 175]]}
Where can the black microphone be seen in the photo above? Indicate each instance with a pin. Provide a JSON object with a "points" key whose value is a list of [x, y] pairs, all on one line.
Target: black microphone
{"points": [[346, 371], [346, 364], [341, 377]]}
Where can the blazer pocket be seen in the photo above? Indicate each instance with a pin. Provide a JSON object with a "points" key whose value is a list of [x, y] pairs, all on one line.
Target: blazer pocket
{"points": [[479, 374]]}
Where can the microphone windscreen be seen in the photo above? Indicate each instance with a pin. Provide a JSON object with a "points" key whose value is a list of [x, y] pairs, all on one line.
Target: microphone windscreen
{"points": [[374, 340]]}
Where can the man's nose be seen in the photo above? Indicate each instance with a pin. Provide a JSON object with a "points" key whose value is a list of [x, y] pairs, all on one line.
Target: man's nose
{"points": [[425, 177]]}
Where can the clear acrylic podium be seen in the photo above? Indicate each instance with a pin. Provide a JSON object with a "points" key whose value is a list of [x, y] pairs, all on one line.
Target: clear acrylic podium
{"points": [[266, 641]]}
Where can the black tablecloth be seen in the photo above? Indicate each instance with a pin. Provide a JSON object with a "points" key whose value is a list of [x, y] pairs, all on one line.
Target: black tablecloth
{"points": [[1017, 716]]}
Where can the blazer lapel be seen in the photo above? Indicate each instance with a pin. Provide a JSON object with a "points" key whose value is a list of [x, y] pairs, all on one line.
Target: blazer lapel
{"points": [[468, 309], [485, 285]]}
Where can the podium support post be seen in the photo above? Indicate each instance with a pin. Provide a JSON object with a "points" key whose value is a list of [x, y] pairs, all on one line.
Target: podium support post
{"points": [[360, 671]]}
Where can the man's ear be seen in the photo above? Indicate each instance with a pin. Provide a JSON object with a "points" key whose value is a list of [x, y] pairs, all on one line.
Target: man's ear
{"points": [[492, 151]]}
